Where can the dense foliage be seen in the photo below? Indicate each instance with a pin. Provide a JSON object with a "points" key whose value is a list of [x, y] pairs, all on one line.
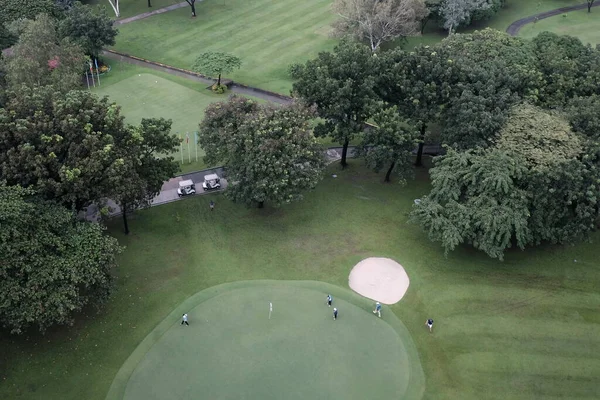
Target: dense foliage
{"points": [[63, 145], [270, 153], [533, 185], [341, 85], [92, 29], [13, 10], [51, 264], [41, 57]]}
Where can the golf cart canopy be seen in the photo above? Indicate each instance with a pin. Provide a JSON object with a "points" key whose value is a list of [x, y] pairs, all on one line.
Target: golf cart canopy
{"points": [[211, 177], [186, 183]]}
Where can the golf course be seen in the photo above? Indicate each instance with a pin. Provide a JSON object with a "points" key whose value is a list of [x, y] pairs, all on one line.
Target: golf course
{"points": [[252, 281], [234, 345]]}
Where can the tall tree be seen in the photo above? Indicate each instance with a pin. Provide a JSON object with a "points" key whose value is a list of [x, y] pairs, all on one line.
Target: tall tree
{"points": [[535, 184], [379, 21], [88, 27], [63, 145], [584, 115], [270, 153], [192, 4], [341, 85], [418, 83], [389, 143], [40, 57], [143, 171], [15, 10], [51, 264], [115, 6], [457, 12], [590, 4], [215, 63]]}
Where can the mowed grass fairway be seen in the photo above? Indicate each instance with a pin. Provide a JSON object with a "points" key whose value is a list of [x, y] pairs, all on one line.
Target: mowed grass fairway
{"points": [[527, 328], [580, 23], [267, 35], [232, 350], [145, 93]]}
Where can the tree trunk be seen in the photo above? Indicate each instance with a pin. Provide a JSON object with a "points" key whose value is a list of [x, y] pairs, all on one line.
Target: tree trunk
{"points": [[219, 80], [191, 3], [387, 176], [345, 153], [589, 4], [419, 161], [261, 204], [149, 4], [124, 211]]}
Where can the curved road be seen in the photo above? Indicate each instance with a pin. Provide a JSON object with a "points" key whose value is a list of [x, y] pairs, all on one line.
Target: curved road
{"points": [[516, 26]]}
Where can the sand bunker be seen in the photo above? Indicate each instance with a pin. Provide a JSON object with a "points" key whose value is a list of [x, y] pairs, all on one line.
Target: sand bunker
{"points": [[379, 279]]}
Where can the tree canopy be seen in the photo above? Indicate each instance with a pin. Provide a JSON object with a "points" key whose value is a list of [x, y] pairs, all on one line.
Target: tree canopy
{"points": [[216, 63], [533, 185], [341, 85], [62, 145], [91, 29], [41, 57], [379, 21], [14, 10], [51, 264], [270, 153]]}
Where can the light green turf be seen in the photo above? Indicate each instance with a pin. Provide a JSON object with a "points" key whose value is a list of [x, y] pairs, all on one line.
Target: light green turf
{"points": [[268, 36], [527, 328], [584, 25], [232, 349], [145, 93]]}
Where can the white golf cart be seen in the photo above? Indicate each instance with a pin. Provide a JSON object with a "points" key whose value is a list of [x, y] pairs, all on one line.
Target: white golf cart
{"points": [[211, 182], [186, 188]]}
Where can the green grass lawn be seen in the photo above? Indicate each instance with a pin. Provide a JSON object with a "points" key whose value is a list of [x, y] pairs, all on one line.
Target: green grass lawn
{"points": [[584, 25], [267, 35], [145, 93], [234, 345], [525, 328]]}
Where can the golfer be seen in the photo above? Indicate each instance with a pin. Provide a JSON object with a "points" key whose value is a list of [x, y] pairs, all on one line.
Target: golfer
{"points": [[184, 320], [377, 309], [429, 324], [329, 300], [334, 314], [212, 205]]}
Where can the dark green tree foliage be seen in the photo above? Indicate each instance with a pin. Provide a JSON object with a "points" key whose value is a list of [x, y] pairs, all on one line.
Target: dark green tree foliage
{"points": [[141, 172], [341, 85], [536, 184], [569, 69], [13, 10], [584, 116], [490, 72], [90, 28], [61, 145], [417, 82], [270, 153], [51, 264], [41, 58], [389, 143], [475, 200]]}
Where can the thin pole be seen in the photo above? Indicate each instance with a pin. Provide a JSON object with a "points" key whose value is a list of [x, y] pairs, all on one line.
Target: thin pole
{"points": [[270, 309], [87, 79], [180, 146], [92, 73], [196, 141], [97, 70], [188, 143]]}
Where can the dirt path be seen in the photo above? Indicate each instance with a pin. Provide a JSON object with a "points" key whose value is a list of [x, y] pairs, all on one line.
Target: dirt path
{"points": [[516, 26]]}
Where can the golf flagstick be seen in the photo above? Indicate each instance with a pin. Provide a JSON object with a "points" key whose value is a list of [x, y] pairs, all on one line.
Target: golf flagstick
{"points": [[270, 309]]}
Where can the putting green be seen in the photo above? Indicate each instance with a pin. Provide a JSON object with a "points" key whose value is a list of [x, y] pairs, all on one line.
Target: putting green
{"points": [[231, 350]]}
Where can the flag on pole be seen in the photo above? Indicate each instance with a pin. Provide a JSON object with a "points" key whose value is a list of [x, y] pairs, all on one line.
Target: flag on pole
{"points": [[187, 140], [87, 79], [97, 70], [92, 73], [180, 146], [196, 141]]}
